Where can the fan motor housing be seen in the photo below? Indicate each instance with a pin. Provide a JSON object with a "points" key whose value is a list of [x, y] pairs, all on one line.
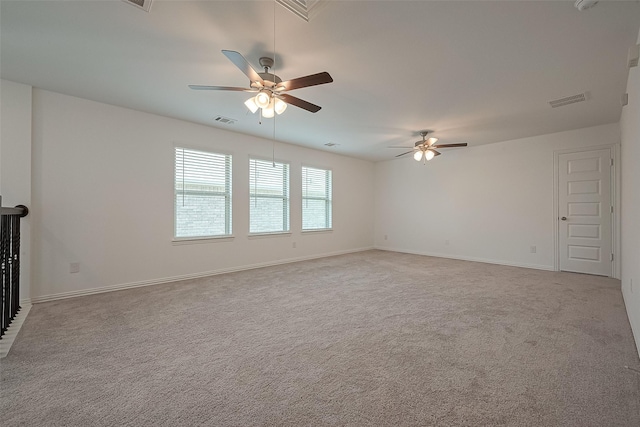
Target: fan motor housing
{"points": [[269, 77]]}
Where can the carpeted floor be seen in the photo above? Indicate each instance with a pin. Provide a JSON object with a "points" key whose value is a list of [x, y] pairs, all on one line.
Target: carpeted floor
{"points": [[372, 338]]}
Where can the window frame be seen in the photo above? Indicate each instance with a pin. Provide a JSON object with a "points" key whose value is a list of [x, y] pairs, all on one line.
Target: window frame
{"points": [[286, 200], [327, 200], [228, 194]]}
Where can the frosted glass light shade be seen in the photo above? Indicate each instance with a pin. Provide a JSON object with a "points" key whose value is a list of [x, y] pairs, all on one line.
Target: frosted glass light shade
{"points": [[417, 155], [262, 100], [269, 111], [251, 105], [279, 106], [429, 155]]}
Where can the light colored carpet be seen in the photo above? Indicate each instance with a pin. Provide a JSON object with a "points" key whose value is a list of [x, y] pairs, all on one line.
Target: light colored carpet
{"points": [[373, 338]]}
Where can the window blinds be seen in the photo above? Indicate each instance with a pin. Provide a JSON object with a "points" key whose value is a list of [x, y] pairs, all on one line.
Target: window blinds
{"points": [[316, 198], [202, 193], [268, 196]]}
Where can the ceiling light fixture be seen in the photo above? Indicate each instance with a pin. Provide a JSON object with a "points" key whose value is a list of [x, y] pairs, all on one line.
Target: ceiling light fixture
{"points": [[251, 104], [262, 99], [280, 105], [268, 111], [267, 102], [267, 99]]}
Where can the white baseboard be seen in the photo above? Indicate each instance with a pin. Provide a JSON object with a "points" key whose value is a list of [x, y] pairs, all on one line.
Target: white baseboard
{"points": [[111, 288], [12, 331], [632, 316], [465, 258]]}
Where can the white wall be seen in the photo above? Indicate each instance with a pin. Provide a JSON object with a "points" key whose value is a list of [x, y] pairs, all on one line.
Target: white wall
{"points": [[491, 202], [103, 197], [630, 153], [15, 165]]}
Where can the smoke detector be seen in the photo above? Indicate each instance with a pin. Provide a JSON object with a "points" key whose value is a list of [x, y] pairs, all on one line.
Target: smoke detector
{"points": [[585, 4]]}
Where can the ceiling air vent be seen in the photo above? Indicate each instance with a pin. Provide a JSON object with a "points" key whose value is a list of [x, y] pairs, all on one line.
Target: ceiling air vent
{"points": [[141, 4], [331, 144], [568, 100], [225, 120], [301, 8]]}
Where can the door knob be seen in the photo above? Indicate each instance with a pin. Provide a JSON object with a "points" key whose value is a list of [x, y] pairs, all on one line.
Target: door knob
{"points": [[564, 218]]}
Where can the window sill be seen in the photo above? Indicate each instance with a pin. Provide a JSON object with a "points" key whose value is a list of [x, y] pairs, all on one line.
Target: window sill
{"points": [[317, 230], [271, 234], [178, 241]]}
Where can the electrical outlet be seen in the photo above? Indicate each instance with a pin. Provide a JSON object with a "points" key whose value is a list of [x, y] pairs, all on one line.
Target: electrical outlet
{"points": [[533, 249], [446, 242], [74, 267], [631, 285], [385, 237], [295, 245]]}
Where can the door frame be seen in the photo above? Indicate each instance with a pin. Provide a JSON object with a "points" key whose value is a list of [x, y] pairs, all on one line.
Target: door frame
{"points": [[615, 202]]}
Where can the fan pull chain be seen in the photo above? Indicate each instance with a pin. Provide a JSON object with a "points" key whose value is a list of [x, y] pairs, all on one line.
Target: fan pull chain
{"points": [[183, 177], [273, 143]]}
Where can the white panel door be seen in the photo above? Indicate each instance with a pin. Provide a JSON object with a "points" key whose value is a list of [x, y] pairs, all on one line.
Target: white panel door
{"points": [[584, 202]]}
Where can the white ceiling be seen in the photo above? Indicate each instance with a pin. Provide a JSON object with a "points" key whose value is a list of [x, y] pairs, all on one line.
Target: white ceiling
{"points": [[475, 71]]}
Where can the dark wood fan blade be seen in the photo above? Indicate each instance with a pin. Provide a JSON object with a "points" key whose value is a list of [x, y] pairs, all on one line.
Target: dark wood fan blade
{"points": [[400, 155], [236, 89], [436, 153], [299, 103], [300, 82], [462, 144], [399, 146], [244, 66]]}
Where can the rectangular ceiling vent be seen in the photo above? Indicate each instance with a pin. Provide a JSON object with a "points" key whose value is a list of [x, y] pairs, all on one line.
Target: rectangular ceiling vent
{"points": [[140, 4], [301, 8], [331, 144], [568, 100], [225, 120]]}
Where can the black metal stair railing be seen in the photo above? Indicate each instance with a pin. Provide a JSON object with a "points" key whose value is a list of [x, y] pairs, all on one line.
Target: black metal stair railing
{"points": [[10, 263]]}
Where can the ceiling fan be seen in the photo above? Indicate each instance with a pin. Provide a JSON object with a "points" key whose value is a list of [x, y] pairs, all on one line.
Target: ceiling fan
{"points": [[426, 149], [270, 89]]}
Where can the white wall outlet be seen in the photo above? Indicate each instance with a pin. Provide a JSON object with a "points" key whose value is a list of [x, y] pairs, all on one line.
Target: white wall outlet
{"points": [[295, 245], [446, 242], [385, 237], [74, 267], [533, 249]]}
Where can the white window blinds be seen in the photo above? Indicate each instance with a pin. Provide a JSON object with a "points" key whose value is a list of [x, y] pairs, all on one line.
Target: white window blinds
{"points": [[268, 196], [202, 193], [316, 199]]}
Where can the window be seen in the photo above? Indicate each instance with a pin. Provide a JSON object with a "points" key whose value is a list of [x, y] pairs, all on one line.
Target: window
{"points": [[316, 199], [202, 194], [268, 196]]}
